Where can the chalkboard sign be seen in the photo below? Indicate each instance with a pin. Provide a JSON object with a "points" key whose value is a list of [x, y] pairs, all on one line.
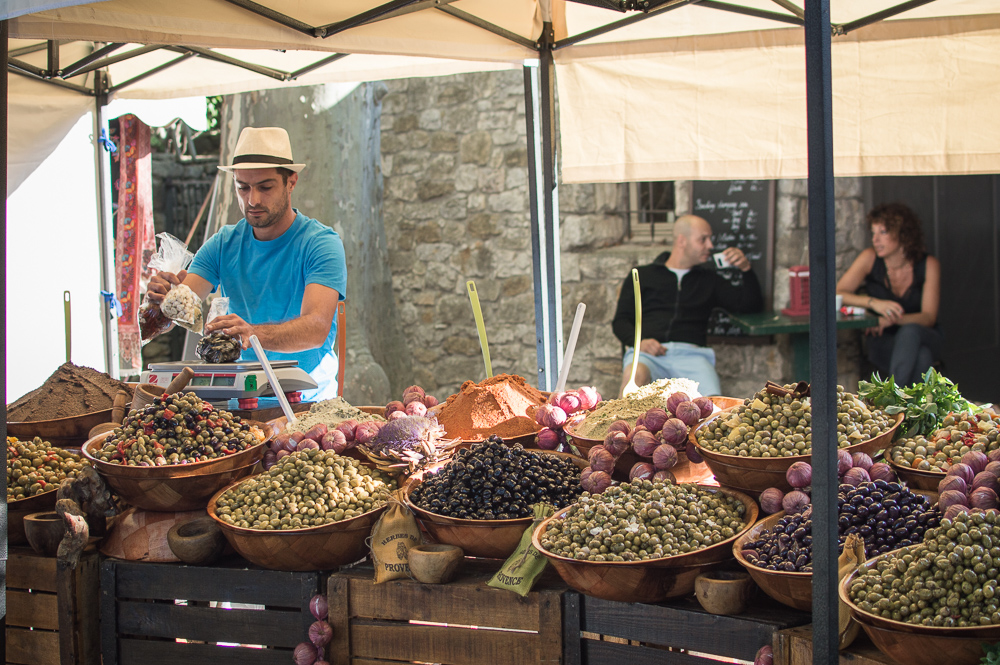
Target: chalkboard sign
{"points": [[741, 213]]}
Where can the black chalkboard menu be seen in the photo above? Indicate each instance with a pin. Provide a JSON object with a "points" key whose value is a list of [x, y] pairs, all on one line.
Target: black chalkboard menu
{"points": [[741, 213]]}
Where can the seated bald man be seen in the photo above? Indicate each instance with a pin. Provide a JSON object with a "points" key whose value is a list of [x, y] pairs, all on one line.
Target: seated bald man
{"points": [[678, 295]]}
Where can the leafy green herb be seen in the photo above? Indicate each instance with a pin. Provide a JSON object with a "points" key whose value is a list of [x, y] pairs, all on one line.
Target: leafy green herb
{"points": [[991, 654], [925, 404]]}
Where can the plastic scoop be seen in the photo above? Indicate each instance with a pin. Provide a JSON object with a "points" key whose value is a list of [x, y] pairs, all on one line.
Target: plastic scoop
{"points": [[631, 386], [478, 313], [570, 347], [272, 379]]}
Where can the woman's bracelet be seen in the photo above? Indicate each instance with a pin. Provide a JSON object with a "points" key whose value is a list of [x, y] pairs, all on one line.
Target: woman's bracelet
{"points": [[869, 305]]}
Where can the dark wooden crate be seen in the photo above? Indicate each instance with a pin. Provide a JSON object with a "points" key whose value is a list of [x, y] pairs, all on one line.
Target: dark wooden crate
{"points": [[475, 624], [794, 647], [52, 611], [676, 633], [141, 623]]}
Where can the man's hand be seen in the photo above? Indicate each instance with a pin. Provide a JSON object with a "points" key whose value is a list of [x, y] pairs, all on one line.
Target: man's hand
{"points": [[161, 282], [652, 347], [737, 258], [233, 326]]}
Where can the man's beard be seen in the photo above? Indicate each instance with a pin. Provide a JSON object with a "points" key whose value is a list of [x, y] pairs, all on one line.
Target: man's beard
{"points": [[268, 220]]}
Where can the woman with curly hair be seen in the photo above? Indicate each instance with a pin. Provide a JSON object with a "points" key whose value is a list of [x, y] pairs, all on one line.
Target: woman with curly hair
{"points": [[898, 280]]}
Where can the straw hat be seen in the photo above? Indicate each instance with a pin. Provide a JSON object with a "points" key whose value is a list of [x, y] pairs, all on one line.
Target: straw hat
{"points": [[263, 148]]}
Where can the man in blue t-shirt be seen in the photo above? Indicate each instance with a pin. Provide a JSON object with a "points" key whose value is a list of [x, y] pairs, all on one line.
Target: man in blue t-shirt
{"points": [[282, 271]]}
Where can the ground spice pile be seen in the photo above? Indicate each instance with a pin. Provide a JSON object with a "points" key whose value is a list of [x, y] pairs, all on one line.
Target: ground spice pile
{"points": [[72, 390], [498, 405]]}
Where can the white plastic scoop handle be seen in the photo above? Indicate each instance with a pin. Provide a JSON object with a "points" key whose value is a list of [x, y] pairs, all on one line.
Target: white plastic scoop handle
{"points": [[272, 379]]}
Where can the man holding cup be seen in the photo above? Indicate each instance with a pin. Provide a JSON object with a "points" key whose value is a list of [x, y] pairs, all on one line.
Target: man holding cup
{"points": [[678, 295]]}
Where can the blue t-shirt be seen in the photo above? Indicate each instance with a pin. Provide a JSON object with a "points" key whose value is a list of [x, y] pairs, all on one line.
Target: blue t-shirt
{"points": [[265, 280]]}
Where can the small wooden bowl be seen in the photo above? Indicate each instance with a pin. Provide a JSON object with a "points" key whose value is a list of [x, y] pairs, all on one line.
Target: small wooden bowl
{"points": [[44, 532], [792, 589], [724, 592], [141, 535], [316, 548], [753, 475], [494, 539], [644, 581], [71, 432], [910, 644], [198, 542], [18, 510], [434, 564], [915, 478]]}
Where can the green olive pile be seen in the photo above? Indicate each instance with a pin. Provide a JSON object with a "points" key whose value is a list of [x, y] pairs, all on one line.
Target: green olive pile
{"points": [[178, 429], [302, 490], [643, 520], [37, 466], [492, 481], [769, 425], [959, 433], [949, 580]]}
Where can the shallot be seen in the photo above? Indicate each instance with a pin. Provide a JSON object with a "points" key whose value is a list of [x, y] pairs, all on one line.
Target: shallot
{"points": [[304, 654], [765, 656], [799, 475], [320, 633], [654, 419], [348, 427], [642, 471], [993, 455], [664, 457], [334, 440], [844, 461], [952, 483], [985, 479], [365, 432], [977, 460], [413, 396], [706, 405], [318, 606], [589, 397], [770, 500], [856, 476], [601, 459], [547, 439], [674, 431], [664, 476], [392, 407], [569, 402], [676, 399], [620, 426], [950, 498], [416, 408], [954, 510], [963, 471], [882, 471], [616, 443], [644, 443], [795, 501], [983, 498], [270, 457], [994, 468], [430, 401], [688, 412], [596, 482], [307, 444], [551, 416], [862, 460], [317, 431], [693, 455], [297, 436], [414, 389]]}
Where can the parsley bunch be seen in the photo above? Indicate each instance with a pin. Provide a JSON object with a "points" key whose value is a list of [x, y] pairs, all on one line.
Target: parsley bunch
{"points": [[925, 404]]}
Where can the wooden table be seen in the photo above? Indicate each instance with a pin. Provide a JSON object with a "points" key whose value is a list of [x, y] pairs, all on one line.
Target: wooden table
{"points": [[797, 327]]}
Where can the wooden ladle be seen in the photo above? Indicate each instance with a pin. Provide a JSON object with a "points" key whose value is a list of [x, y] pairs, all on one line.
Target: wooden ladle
{"points": [[117, 414]]}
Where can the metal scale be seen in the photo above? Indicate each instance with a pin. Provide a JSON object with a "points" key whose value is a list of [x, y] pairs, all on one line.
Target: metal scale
{"points": [[242, 380]]}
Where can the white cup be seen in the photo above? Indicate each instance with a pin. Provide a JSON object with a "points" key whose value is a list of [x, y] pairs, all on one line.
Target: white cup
{"points": [[840, 301], [721, 261]]}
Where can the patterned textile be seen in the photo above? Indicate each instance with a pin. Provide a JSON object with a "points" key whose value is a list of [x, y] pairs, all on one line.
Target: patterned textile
{"points": [[134, 235]]}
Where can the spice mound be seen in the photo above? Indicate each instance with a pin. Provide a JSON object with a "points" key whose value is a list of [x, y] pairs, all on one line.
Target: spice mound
{"points": [[37, 466], [303, 490], [72, 390], [493, 481], [178, 429], [329, 412], [499, 405]]}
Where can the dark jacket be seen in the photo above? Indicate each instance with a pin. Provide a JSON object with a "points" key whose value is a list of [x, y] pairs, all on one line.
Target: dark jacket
{"points": [[670, 314]]}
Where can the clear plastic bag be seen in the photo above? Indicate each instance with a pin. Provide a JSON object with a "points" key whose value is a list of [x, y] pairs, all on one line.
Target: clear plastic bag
{"points": [[218, 307], [171, 256], [183, 305], [218, 347]]}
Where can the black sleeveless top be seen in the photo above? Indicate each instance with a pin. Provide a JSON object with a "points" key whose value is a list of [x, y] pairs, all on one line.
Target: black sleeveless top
{"points": [[877, 285]]}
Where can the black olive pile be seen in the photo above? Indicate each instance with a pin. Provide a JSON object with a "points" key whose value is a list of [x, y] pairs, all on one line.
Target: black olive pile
{"points": [[492, 481], [178, 429], [887, 515], [787, 546], [219, 348], [949, 580]]}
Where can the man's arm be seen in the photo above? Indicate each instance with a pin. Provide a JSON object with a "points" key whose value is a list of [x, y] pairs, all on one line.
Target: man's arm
{"points": [[307, 331], [743, 298]]}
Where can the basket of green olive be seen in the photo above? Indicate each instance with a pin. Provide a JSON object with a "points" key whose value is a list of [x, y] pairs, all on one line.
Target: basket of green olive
{"points": [[923, 461], [749, 447], [35, 469], [939, 597], [312, 510], [643, 541]]}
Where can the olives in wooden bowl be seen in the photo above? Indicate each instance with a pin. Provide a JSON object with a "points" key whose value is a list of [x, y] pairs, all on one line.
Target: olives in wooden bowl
{"points": [[792, 588]]}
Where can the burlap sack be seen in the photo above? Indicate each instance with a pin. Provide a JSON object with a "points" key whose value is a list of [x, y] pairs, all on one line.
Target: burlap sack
{"points": [[392, 537]]}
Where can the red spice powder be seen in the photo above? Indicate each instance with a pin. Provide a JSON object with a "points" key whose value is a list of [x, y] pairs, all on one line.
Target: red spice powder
{"points": [[499, 405]]}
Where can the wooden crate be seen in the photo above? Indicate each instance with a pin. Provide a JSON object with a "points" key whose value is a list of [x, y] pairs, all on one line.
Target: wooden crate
{"points": [[142, 623], [794, 647], [52, 612], [679, 632], [473, 624]]}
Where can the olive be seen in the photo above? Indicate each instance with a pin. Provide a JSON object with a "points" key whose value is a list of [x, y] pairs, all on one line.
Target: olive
{"points": [[37, 466]]}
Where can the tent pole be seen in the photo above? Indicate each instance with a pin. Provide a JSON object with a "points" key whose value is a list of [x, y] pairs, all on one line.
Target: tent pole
{"points": [[538, 263], [822, 329], [4, 27], [104, 236]]}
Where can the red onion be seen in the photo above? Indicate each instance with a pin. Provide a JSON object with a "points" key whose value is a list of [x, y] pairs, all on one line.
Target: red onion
{"points": [[676, 399], [644, 443], [365, 432], [975, 459], [547, 439], [396, 415], [654, 419], [994, 468], [413, 396], [620, 426], [963, 471], [795, 501], [770, 500], [588, 397], [993, 455], [706, 405], [985, 479], [688, 412], [281, 453], [585, 474], [270, 457], [430, 401], [641, 422], [952, 483], [569, 402], [348, 427], [844, 461], [596, 482], [642, 471], [616, 443], [799, 475], [334, 440], [862, 460], [554, 397], [297, 436], [320, 633], [882, 471], [318, 606], [280, 441], [317, 431], [674, 431], [693, 455], [414, 389], [983, 498], [416, 408], [765, 655], [856, 476], [950, 498], [954, 510], [601, 459], [550, 416], [664, 457], [664, 476], [639, 427], [307, 444], [304, 654]]}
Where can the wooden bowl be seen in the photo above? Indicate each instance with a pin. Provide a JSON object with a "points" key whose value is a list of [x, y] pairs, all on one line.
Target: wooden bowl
{"points": [[909, 644], [198, 542], [685, 471], [494, 539], [644, 581], [316, 548], [71, 432], [725, 592], [755, 474], [178, 494], [434, 564], [915, 478], [18, 510], [792, 589], [44, 532], [141, 535]]}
